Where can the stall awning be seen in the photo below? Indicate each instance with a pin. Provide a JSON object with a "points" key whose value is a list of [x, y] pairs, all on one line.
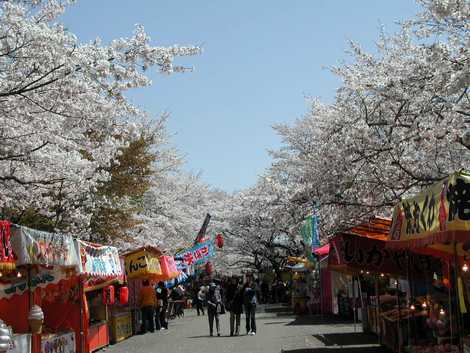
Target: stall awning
{"points": [[437, 215]]}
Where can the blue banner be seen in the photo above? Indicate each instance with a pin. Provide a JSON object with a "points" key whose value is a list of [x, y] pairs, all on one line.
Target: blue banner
{"points": [[198, 254]]}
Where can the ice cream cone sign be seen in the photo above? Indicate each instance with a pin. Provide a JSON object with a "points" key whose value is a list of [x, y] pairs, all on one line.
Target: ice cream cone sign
{"points": [[36, 318]]}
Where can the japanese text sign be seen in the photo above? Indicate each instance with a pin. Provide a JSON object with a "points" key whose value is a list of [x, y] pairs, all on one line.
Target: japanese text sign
{"points": [[198, 254], [142, 264], [445, 206], [357, 253]]}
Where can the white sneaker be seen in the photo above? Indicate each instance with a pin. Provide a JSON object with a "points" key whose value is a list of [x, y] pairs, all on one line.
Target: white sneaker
{"points": [[249, 333], [253, 333]]}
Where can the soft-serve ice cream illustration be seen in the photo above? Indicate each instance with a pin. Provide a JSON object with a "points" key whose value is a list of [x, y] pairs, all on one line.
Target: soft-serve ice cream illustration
{"points": [[36, 318]]}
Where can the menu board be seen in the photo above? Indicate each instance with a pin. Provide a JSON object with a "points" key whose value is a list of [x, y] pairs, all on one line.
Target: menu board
{"points": [[58, 343]]}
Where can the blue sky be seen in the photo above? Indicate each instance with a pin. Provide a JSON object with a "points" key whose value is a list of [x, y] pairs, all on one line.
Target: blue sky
{"points": [[261, 59]]}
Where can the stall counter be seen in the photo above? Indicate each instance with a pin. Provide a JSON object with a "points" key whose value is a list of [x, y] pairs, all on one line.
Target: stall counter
{"points": [[98, 336], [120, 326]]}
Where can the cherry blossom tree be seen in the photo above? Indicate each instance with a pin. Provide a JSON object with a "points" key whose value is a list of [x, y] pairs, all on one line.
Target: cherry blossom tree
{"points": [[397, 123], [63, 108]]}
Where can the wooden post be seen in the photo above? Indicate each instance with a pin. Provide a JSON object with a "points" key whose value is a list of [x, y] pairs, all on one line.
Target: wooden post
{"points": [[456, 286], [377, 310], [81, 337], [354, 303], [399, 316]]}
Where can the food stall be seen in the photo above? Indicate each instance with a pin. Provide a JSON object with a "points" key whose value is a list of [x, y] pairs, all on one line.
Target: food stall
{"points": [[142, 263], [436, 222], [380, 280], [100, 271], [302, 283], [40, 299]]}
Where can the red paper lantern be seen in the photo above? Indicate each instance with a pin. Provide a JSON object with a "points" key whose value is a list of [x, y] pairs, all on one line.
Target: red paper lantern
{"points": [[209, 267], [108, 295], [219, 240], [123, 295]]}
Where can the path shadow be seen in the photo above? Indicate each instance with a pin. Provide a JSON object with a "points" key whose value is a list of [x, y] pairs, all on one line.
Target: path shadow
{"points": [[346, 339], [318, 320], [339, 350], [277, 323]]}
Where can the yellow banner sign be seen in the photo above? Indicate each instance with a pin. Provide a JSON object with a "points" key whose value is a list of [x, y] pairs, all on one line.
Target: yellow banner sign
{"points": [[142, 264], [445, 206]]}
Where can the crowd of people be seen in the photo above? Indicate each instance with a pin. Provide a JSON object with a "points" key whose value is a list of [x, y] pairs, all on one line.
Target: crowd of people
{"points": [[231, 297], [153, 305], [217, 297]]}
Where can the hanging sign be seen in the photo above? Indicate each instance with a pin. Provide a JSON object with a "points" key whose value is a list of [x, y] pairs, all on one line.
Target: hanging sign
{"points": [[7, 260], [441, 210], [40, 280], [310, 236], [198, 254], [99, 261], [142, 264], [58, 343], [34, 247], [354, 253]]}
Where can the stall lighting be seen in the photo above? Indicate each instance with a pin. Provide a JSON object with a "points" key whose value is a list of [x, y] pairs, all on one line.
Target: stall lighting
{"points": [[412, 307], [362, 271], [442, 312], [382, 275], [424, 305], [1, 274], [367, 272], [465, 267], [18, 274]]}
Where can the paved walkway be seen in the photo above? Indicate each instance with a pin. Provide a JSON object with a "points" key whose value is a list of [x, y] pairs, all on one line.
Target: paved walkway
{"points": [[276, 334]]}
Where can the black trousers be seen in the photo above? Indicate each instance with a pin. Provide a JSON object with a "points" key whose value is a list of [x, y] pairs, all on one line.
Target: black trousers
{"points": [[250, 313], [160, 318], [199, 307], [213, 314], [147, 319]]}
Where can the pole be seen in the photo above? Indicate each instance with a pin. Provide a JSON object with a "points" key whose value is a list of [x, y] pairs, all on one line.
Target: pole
{"points": [[321, 289], [354, 304], [457, 295], [82, 298], [377, 310], [399, 316]]}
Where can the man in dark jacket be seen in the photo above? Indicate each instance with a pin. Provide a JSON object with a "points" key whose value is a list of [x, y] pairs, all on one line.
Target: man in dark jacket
{"points": [[235, 306], [250, 301]]}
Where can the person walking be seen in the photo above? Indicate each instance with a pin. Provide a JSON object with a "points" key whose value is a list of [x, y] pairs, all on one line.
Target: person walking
{"points": [[147, 301], [236, 309], [214, 303], [162, 305], [250, 301]]}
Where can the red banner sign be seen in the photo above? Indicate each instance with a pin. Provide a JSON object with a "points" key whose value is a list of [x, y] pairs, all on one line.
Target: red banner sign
{"points": [[356, 253]]}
